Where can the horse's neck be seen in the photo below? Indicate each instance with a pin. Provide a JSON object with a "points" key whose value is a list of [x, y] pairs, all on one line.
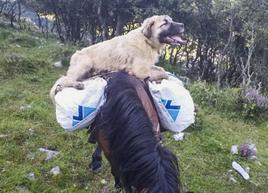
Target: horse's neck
{"points": [[148, 105]]}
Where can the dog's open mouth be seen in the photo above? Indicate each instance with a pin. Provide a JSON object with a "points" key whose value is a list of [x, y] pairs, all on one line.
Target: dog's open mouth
{"points": [[177, 39]]}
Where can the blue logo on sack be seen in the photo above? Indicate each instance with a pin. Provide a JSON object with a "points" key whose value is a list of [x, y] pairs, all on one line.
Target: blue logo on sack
{"points": [[82, 113], [172, 109]]}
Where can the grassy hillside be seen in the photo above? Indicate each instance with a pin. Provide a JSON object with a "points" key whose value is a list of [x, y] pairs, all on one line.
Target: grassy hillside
{"points": [[27, 122]]}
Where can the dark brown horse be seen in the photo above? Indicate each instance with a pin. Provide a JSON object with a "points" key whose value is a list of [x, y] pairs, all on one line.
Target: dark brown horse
{"points": [[127, 130]]}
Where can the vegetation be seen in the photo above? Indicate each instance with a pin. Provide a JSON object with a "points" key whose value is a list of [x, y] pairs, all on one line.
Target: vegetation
{"points": [[227, 39], [225, 61], [28, 123]]}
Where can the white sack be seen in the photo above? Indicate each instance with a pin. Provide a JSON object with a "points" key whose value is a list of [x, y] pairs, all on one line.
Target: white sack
{"points": [[174, 104], [78, 108]]}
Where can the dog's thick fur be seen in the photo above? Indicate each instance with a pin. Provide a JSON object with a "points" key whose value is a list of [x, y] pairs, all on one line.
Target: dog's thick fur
{"points": [[136, 52]]}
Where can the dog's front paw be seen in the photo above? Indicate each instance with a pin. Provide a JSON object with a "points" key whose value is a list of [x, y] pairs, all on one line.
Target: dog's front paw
{"points": [[159, 68], [164, 75], [79, 86], [158, 76]]}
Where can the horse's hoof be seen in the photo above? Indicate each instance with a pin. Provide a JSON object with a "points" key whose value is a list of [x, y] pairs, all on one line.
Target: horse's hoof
{"points": [[95, 167], [96, 171], [118, 186]]}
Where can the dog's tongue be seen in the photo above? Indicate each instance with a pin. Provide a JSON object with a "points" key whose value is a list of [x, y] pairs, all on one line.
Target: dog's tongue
{"points": [[178, 39]]}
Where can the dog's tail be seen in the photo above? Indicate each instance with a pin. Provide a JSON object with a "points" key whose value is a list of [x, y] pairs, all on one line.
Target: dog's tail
{"points": [[54, 89]]}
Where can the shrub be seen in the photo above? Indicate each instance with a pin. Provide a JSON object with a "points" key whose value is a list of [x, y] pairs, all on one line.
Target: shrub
{"points": [[12, 64], [25, 41], [253, 103], [247, 102], [211, 96], [66, 56], [5, 34]]}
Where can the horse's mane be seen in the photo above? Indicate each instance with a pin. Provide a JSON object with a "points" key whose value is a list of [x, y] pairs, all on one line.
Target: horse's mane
{"points": [[135, 152]]}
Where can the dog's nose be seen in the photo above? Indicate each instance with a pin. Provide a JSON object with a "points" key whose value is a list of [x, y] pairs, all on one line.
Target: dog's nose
{"points": [[181, 25]]}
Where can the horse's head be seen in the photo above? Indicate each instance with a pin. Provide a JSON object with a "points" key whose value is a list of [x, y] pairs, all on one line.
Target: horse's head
{"points": [[129, 123]]}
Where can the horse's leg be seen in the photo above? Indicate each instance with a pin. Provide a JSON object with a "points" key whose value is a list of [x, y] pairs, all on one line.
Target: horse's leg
{"points": [[117, 183], [95, 165]]}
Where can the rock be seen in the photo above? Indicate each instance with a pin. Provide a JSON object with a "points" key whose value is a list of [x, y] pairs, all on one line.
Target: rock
{"points": [[3, 136], [59, 43], [258, 162], [240, 170], [21, 188], [105, 189], [247, 169], [103, 181], [179, 136], [245, 150], [31, 156], [232, 179], [252, 157], [31, 130], [58, 64], [30, 176], [50, 153], [248, 150], [234, 149], [55, 171], [25, 107]]}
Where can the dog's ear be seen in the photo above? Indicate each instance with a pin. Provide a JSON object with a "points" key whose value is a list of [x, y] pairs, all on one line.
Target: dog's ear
{"points": [[146, 27]]}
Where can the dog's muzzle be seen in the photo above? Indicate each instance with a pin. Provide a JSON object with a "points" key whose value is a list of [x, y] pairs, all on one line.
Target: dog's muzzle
{"points": [[173, 35]]}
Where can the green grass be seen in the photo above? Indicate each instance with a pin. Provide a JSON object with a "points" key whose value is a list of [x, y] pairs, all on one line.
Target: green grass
{"points": [[204, 156]]}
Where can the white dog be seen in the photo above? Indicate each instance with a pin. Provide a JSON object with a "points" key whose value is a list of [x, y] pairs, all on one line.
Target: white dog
{"points": [[136, 52]]}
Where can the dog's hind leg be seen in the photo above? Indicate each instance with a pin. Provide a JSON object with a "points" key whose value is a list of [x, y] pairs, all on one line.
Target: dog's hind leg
{"points": [[61, 83], [77, 73]]}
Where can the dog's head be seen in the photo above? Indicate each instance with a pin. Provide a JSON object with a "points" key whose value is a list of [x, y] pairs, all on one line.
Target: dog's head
{"points": [[162, 30]]}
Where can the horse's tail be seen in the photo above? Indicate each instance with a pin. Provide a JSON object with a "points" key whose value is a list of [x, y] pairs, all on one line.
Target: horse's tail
{"points": [[140, 159]]}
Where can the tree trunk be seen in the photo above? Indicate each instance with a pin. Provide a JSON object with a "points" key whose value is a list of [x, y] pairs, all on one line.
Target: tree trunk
{"points": [[265, 57], [119, 26], [19, 8], [220, 62], [171, 57], [102, 20]]}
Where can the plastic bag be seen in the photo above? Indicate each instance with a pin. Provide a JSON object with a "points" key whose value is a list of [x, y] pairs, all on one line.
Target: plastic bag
{"points": [[174, 104], [78, 108]]}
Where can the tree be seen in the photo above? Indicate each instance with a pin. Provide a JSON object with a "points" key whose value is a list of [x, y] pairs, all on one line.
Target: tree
{"points": [[219, 47]]}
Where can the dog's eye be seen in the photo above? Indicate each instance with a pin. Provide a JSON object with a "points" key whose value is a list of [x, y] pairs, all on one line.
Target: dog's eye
{"points": [[165, 23]]}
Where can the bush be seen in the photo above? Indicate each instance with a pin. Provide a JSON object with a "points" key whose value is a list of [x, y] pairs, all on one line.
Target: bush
{"points": [[253, 104], [66, 56], [209, 95], [5, 34], [26, 41], [247, 102], [12, 64]]}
